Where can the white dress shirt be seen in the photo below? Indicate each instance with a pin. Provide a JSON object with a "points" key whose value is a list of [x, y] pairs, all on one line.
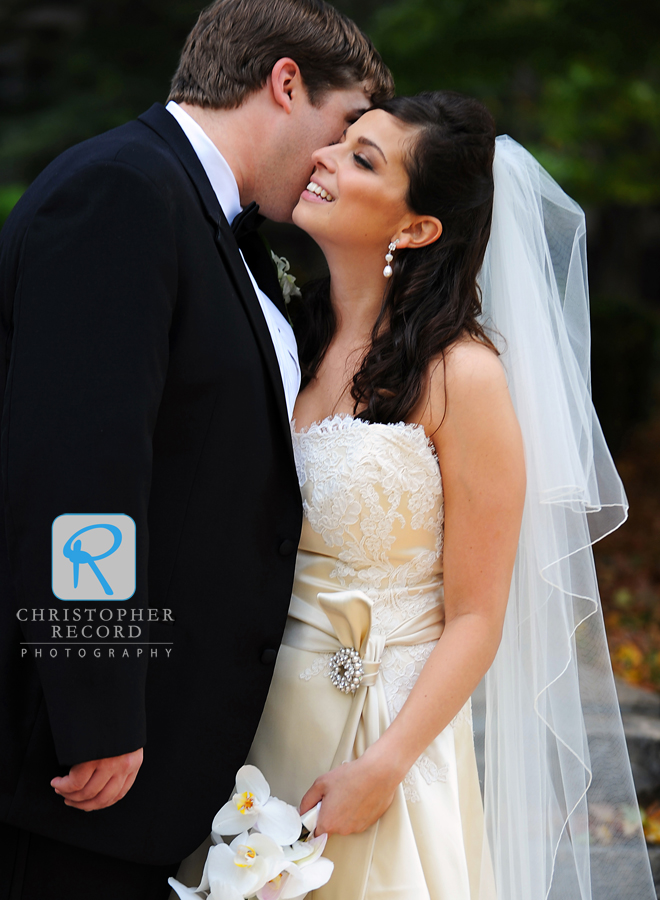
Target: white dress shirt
{"points": [[226, 190]]}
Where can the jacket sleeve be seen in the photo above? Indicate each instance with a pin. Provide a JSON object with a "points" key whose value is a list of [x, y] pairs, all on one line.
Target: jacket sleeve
{"points": [[95, 295]]}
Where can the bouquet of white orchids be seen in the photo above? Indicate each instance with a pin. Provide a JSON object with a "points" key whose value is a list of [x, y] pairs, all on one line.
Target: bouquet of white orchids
{"points": [[268, 860]]}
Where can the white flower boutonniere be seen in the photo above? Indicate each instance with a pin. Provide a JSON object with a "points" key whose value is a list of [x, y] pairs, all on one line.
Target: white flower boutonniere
{"points": [[287, 282]]}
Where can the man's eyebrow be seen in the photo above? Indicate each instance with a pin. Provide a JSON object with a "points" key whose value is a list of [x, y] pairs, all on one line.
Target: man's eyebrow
{"points": [[368, 143]]}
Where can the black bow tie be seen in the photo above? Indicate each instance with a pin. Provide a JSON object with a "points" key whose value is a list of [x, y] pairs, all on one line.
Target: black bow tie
{"points": [[247, 221]]}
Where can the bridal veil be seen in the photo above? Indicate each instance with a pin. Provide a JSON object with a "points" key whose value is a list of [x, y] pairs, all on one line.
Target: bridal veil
{"points": [[562, 821]]}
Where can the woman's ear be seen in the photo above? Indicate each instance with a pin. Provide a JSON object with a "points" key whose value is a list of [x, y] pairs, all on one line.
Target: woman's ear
{"points": [[285, 80], [422, 231]]}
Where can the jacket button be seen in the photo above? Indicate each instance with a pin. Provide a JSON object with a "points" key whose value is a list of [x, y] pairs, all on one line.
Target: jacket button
{"points": [[287, 547], [269, 656]]}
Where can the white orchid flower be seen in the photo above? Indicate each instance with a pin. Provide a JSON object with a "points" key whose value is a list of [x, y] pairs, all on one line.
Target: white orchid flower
{"points": [[253, 807], [240, 869], [305, 871]]}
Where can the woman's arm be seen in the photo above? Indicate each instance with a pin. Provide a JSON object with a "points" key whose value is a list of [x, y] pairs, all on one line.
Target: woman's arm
{"points": [[479, 447]]}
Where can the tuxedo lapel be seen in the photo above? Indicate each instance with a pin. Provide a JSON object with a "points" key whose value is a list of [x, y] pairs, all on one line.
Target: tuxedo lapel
{"points": [[159, 120], [261, 264]]}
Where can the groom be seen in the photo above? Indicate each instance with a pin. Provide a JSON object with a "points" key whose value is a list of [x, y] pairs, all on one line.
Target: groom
{"points": [[148, 374]]}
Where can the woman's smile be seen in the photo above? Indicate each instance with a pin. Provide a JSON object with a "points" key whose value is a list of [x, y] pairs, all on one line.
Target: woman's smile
{"points": [[314, 192]]}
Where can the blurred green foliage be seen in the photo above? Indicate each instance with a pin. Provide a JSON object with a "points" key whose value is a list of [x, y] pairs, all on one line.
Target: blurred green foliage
{"points": [[577, 82], [9, 196], [72, 69]]}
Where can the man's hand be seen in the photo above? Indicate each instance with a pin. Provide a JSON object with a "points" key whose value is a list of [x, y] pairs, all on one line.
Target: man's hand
{"points": [[98, 783], [354, 796]]}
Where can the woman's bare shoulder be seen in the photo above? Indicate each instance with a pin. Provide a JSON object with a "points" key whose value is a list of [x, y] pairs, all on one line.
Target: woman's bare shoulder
{"points": [[466, 366], [465, 375], [478, 417], [470, 364]]}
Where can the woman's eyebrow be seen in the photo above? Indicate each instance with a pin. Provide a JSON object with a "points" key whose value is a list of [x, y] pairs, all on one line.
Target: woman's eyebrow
{"points": [[368, 143]]}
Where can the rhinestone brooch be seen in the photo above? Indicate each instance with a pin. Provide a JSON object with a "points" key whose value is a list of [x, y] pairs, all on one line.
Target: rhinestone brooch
{"points": [[346, 670]]}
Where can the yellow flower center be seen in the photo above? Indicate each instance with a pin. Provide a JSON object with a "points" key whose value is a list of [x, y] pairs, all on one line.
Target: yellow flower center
{"points": [[247, 854], [245, 802]]}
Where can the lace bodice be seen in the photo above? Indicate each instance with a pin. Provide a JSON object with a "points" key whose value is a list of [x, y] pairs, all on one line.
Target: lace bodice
{"points": [[372, 500], [373, 521]]}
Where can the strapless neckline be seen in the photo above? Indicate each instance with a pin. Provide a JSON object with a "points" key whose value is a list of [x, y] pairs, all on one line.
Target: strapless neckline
{"points": [[340, 422]]}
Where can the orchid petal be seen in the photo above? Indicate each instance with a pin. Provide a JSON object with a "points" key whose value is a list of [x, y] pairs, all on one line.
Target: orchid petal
{"points": [[272, 890], [225, 892], [311, 817], [228, 819], [241, 838], [216, 861], [182, 891], [249, 778], [309, 878], [296, 852], [279, 821], [221, 868], [204, 883], [304, 853]]}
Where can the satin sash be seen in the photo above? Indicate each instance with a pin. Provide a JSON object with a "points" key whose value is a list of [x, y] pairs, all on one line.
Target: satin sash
{"points": [[344, 620]]}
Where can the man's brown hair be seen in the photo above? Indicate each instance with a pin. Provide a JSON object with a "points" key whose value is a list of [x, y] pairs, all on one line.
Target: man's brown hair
{"points": [[232, 49]]}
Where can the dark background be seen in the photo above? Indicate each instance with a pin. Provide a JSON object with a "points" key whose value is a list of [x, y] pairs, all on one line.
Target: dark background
{"points": [[576, 81]]}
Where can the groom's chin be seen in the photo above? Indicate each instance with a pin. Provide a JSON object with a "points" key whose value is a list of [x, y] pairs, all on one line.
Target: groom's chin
{"points": [[279, 209]]}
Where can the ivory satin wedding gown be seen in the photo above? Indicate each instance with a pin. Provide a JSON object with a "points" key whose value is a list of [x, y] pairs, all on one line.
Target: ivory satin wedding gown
{"points": [[369, 576]]}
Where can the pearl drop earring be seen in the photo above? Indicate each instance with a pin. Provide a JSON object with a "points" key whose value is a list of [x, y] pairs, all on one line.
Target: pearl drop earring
{"points": [[387, 271]]}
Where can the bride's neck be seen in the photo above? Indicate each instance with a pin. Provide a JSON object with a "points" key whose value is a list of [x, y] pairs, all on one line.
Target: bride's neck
{"points": [[356, 293]]}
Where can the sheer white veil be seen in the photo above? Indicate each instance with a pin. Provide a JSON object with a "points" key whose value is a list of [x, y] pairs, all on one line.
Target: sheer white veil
{"points": [[561, 816]]}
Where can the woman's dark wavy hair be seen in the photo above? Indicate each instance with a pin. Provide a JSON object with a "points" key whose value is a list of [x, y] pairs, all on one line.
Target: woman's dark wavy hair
{"points": [[432, 297]]}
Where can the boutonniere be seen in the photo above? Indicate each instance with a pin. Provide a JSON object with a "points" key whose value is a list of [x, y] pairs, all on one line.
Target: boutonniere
{"points": [[287, 282]]}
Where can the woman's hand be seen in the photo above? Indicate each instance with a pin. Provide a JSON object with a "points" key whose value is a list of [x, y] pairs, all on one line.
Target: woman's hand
{"points": [[354, 795]]}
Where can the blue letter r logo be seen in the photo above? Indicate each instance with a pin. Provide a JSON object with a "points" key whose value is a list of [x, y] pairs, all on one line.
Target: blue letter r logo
{"points": [[77, 555], [79, 542]]}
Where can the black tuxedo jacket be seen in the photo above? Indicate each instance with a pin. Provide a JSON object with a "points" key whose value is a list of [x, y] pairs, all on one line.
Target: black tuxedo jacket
{"points": [[137, 376]]}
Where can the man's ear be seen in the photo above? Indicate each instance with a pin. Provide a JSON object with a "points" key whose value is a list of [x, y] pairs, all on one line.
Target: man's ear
{"points": [[423, 230], [286, 83]]}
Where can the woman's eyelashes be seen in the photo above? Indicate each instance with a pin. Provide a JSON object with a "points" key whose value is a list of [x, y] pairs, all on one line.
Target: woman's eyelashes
{"points": [[363, 161]]}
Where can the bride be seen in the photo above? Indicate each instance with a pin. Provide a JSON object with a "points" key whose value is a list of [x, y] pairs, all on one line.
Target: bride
{"points": [[454, 477], [387, 538]]}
